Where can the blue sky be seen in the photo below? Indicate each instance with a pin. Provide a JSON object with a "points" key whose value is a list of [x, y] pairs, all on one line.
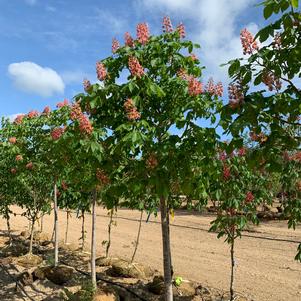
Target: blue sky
{"points": [[48, 47]]}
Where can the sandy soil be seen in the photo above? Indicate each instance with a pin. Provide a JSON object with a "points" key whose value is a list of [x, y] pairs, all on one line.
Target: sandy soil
{"points": [[265, 268]]}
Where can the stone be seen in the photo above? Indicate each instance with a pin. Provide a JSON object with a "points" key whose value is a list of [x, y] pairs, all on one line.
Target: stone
{"points": [[157, 285], [58, 275], [41, 236], [122, 268], [29, 260]]}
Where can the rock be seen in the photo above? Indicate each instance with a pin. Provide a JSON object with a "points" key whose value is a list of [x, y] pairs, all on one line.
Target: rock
{"points": [[25, 234], [58, 275], [68, 247], [106, 294], [29, 260], [186, 289], [41, 236], [202, 290], [25, 278], [105, 261], [122, 268], [157, 286]]}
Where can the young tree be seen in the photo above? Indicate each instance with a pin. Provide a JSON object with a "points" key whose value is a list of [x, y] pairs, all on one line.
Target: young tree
{"points": [[154, 116]]}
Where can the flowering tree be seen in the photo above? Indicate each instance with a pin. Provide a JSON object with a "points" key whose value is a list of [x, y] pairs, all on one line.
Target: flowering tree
{"points": [[153, 117], [270, 113], [238, 190]]}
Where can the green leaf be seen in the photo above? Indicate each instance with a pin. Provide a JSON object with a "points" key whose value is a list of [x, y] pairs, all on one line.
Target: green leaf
{"points": [[268, 10], [295, 3], [234, 67]]}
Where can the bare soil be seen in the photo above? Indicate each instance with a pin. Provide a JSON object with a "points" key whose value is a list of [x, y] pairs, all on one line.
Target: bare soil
{"points": [[265, 265]]}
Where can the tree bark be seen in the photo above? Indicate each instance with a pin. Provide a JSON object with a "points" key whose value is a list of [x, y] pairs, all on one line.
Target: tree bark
{"points": [[93, 240], [138, 237], [56, 234], [232, 271], [83, 231], [67, 227], [109, 233], [166, 250], [42, 223], [8, 226], [31, 234]]}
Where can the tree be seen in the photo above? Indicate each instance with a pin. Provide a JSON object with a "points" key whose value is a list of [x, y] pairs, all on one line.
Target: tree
{"points": [[153, 117]]}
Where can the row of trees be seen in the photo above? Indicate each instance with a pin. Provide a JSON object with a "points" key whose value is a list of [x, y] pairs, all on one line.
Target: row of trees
{"points": [[142, 143]]}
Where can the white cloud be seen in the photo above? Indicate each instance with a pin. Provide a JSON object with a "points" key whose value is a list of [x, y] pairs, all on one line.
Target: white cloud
{"points": [[32, 78], [214, 27]]}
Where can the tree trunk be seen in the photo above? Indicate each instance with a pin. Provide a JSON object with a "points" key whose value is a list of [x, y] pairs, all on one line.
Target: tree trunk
{"points": [[166, 250], [67, 227], [56, 234], [42, 223], [138, 237], [31, 234], [83, 238], [109, 233], [93, 240], [232, 271], [8, 226]]}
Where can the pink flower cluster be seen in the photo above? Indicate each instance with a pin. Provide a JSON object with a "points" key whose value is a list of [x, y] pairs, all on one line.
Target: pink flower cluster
{"points": [[115, 45], [236, 95], [135, 68], [33, 114], [63, 103], [271, 81], [277, 41], [13, 171], [56, 133], [19, 158], [64, 185], [101, 71], [214, 90], [194, 87], [19, 119], [249, 45], [129, 41], [152, 162], [102, 177], [193, 57], [181, 30], [261, 137], [249, 197], [12, 140], [226, 172], [86, 84], [131, 110], [29, 166], [242, 152], [142, 33], [85, 125], [167, 26], [183, 74], [46, 110]]}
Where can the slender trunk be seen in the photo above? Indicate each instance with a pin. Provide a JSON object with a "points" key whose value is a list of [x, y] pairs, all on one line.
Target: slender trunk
{"points": [[31, 234], [52, 235], [93, 240], [232, 271], [56, 234], [67, 227], [83, 238], [138, 237], [109, 233], [8, 227], [42, 223], [166, 250]]}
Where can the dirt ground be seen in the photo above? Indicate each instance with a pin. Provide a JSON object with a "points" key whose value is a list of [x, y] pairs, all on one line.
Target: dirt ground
{"points": [[265, 268]]}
